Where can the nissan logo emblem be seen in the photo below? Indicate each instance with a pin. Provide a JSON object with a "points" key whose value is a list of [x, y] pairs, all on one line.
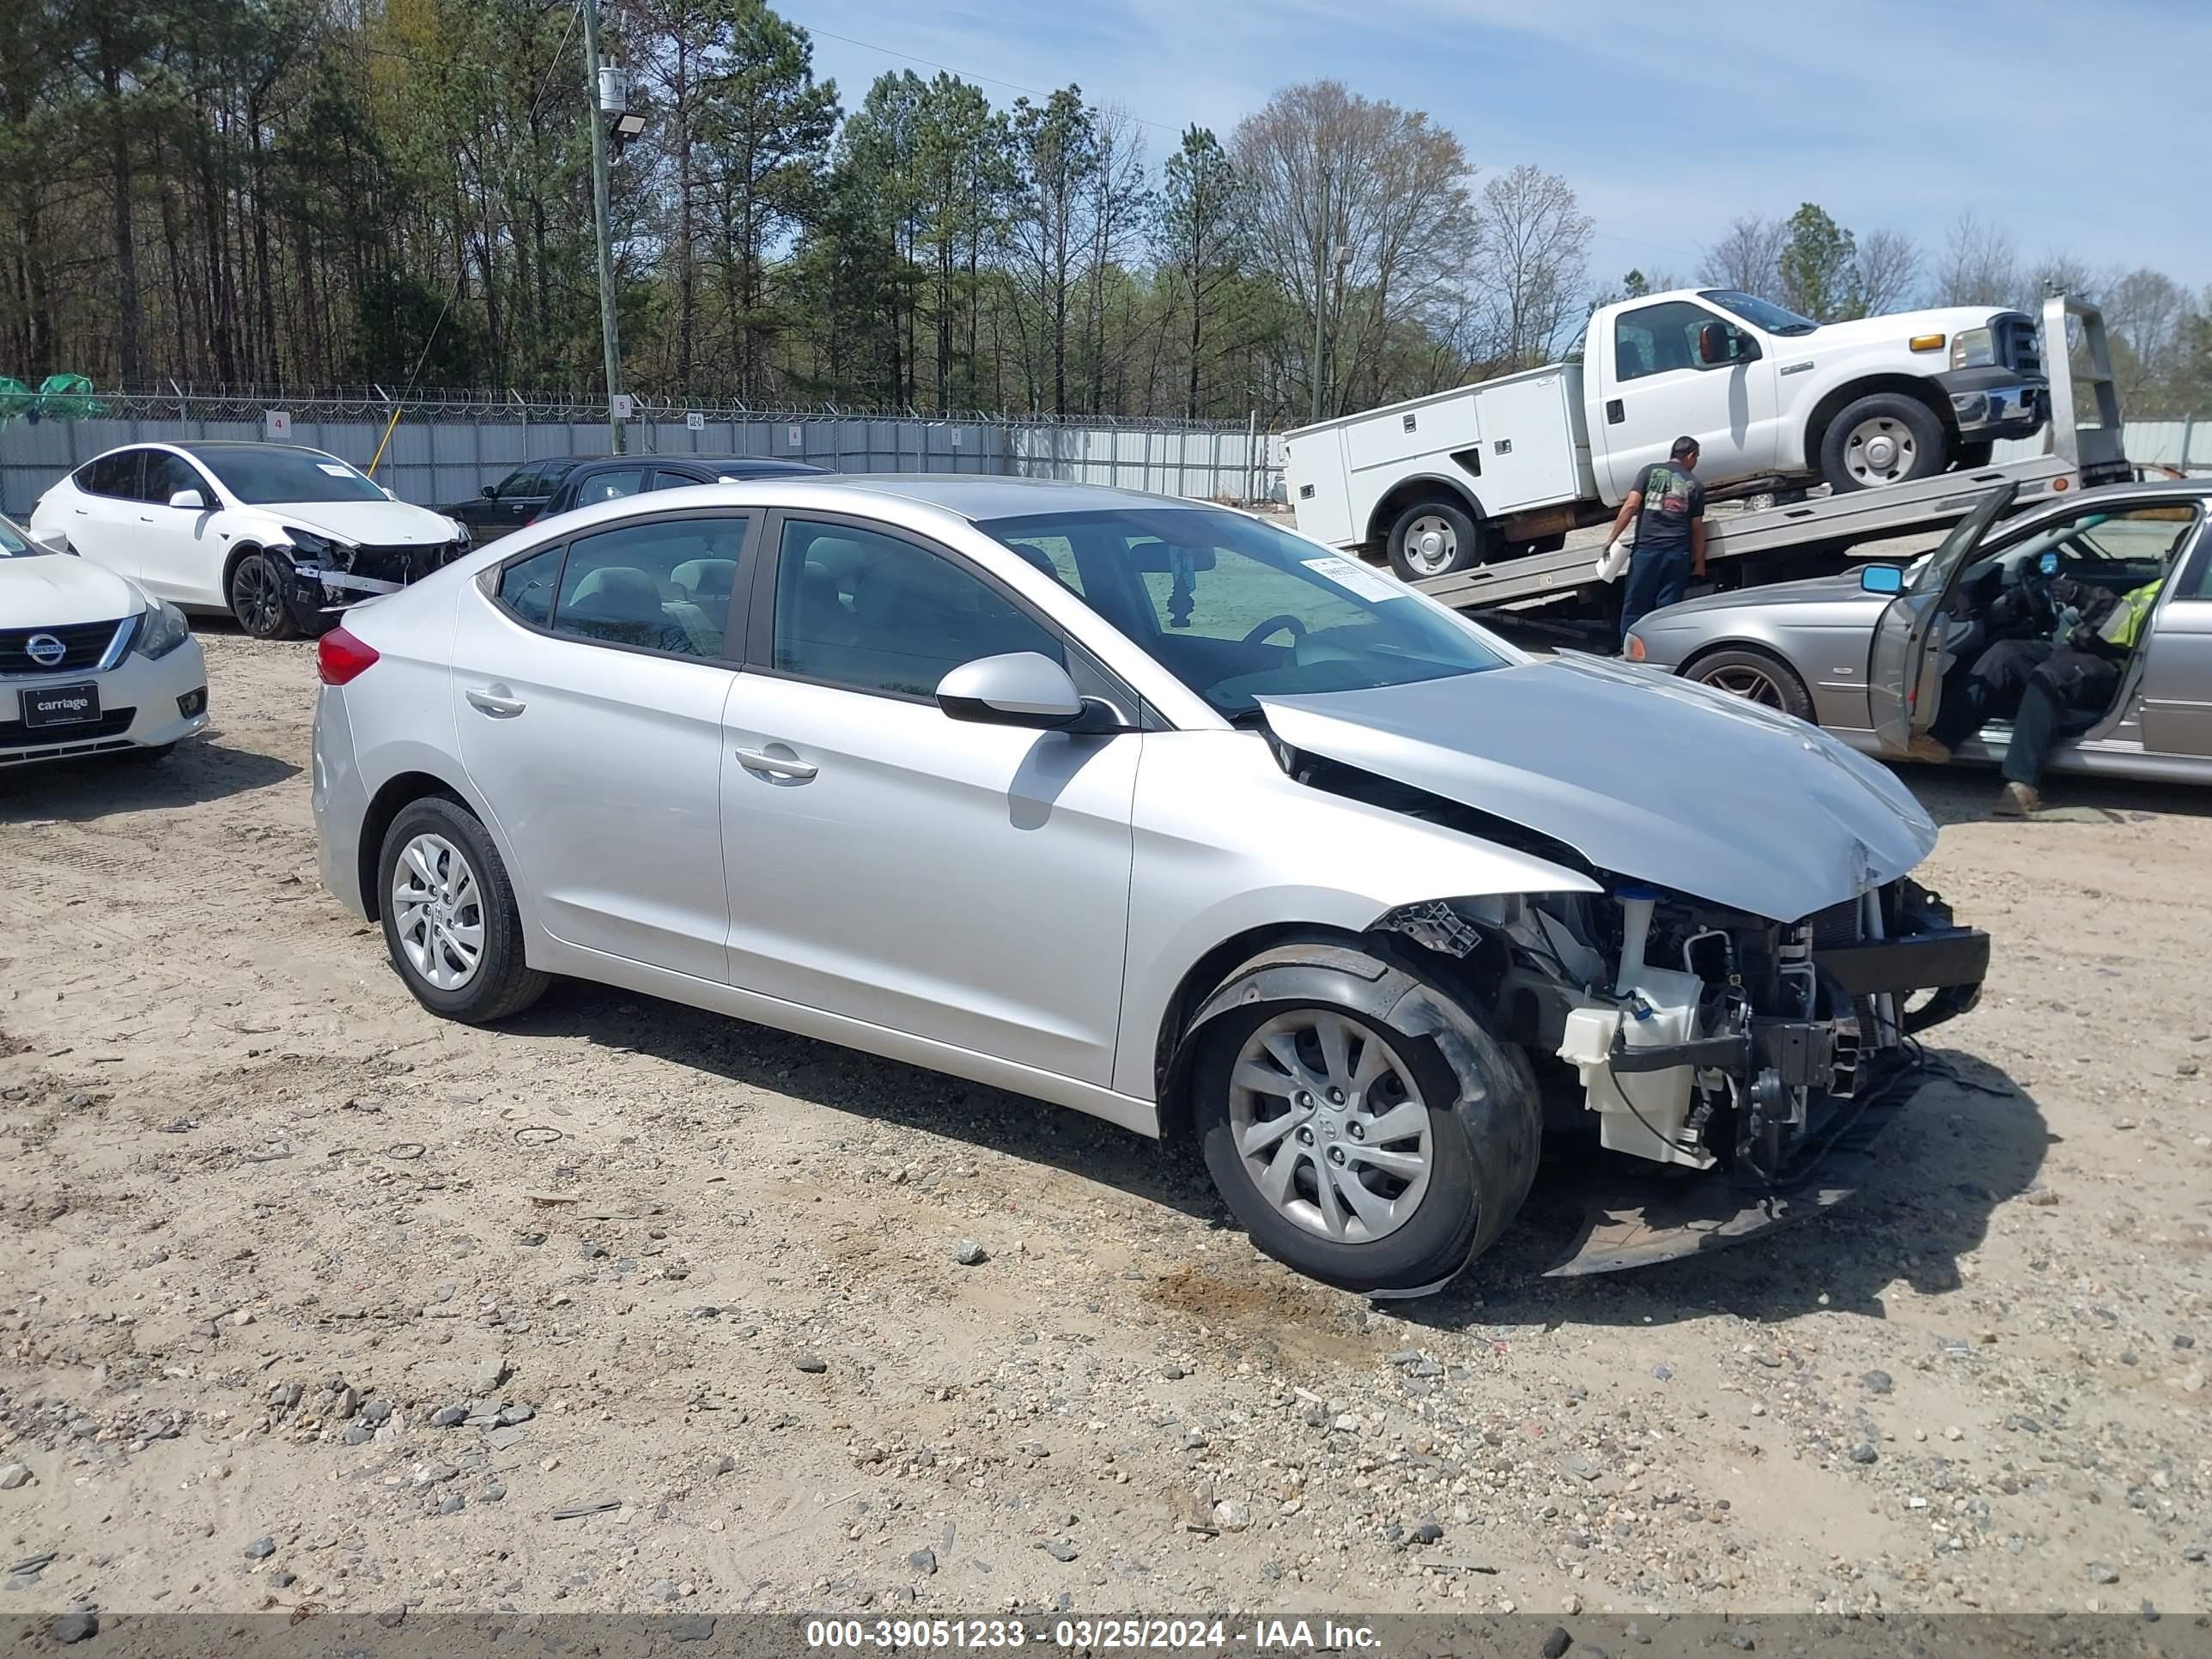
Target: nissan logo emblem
{"points": [[45, 650]]}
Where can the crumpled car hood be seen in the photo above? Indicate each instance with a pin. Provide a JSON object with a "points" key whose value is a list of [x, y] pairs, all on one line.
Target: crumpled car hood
{"points": [[1645, 775]]}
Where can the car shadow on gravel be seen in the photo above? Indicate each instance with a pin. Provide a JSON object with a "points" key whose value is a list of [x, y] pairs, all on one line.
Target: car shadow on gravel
{"points": [[197, 770], [873, 1090], [1964, 795], [1968, 1140]]}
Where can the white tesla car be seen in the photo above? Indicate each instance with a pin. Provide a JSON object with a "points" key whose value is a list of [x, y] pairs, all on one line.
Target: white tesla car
{"points": [[88, 665], [1156, 810], [281, 537]]}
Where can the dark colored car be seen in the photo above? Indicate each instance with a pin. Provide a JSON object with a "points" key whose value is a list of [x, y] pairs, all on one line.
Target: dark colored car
{"points": [[611, 476], [515, 500]]}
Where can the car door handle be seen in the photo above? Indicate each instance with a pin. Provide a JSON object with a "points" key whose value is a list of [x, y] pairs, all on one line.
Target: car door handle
{"points": [[776, 766], [496, 703], [1615, 412]]}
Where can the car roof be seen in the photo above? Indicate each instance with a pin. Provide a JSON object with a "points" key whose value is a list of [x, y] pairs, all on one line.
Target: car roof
{"points": [[976, 496], [765, 466]]}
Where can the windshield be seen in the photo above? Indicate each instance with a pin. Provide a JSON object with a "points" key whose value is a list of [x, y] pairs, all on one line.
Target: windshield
{"points": [[1237, 610], [259, 476], [14, 543], [1759, 313]]}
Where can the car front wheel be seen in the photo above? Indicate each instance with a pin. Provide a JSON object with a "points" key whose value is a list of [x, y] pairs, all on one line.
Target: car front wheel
{"points": [[450, 921], [1368, 1132], [258, 600]]}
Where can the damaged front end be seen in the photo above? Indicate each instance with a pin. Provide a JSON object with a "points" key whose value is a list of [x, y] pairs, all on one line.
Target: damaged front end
{"points": [[327, 575], [1757, 1055]]}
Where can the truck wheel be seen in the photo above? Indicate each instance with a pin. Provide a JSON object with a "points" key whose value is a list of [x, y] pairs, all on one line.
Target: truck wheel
{"points": [[1756, 678], [1361, 1123], [1887, 439], [1436, 539]]}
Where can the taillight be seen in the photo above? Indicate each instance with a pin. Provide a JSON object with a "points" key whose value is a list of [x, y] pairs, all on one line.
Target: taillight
{"points": [[340, 658]]}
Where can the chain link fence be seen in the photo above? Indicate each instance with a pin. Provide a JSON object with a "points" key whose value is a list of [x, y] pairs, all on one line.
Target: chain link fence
{"points": [[446, 447]]}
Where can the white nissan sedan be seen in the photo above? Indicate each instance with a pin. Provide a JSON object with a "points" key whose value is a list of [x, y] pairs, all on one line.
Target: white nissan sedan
{"points": [[88, 664], [1156, 811]]}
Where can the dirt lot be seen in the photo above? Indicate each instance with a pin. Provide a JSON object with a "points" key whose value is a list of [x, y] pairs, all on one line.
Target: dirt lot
{"points": [[262, 1221]]}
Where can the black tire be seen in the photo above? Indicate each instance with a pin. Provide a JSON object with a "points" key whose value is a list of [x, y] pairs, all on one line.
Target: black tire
{"points": [[1972, 457], [1887, 416], [1757, 676], [502, 984], [1466, 543], [258, 598], [1484, 1119]]}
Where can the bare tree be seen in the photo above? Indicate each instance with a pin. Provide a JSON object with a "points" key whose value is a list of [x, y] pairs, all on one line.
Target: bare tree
{"points": [[1120, 200], [1749, 258], [1532, 254], [2148, 314], [1979, 264], [1887, 272], [1328, 170]]}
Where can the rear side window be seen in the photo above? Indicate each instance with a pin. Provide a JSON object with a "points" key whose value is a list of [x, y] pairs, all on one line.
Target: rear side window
{"points": [[610, 486], [526, 588], [662, 585], [674, 481], [112, 475]]}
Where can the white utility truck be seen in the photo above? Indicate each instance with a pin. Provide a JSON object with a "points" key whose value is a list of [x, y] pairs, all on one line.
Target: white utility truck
{"points": [[1486, 473]]}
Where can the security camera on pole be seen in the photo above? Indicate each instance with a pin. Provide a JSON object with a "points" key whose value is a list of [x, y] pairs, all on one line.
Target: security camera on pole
{"points": [[610, 111]]}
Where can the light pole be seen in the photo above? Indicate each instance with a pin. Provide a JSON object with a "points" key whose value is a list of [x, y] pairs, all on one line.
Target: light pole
{"points": [[610, 330], [1339, 257]]}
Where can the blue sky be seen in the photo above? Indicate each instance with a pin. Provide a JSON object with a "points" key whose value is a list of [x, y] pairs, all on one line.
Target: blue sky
{"points": [[2081, 127]]}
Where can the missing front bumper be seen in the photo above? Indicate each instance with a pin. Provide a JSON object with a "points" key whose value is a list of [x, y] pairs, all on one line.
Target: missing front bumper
{"points": [[1633, 1219]]}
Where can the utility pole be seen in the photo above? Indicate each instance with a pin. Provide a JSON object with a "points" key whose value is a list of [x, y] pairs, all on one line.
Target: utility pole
{"points": [[610, 330]]}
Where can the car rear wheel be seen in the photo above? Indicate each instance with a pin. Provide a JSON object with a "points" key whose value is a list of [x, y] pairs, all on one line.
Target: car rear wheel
{"points": [[1374, 1136], [258, 600], [1436, 539], [450, 921], [1755, 677], [1884, 440]]}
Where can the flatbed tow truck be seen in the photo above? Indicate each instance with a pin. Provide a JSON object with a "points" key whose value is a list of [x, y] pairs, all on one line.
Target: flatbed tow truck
{"points": [[1750, 547]]}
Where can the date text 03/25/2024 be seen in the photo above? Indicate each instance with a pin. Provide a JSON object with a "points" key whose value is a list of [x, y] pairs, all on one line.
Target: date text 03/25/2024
{"points": [[1093, 1635]]}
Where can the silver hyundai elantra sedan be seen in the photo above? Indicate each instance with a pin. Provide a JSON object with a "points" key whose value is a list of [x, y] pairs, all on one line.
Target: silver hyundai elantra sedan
{"points": [[1162, 812]]}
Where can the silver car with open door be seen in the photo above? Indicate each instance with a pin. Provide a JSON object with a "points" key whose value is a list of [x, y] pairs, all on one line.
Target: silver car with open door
{"points": [[1866, 653], [1156, 810]]}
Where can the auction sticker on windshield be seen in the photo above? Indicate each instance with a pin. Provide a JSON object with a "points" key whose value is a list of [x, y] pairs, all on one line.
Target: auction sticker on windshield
{"points": [[1368, 584]]}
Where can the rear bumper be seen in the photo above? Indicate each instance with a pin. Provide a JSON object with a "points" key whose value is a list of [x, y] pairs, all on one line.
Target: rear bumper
{"points": [[1990, 404], [339, 800]]}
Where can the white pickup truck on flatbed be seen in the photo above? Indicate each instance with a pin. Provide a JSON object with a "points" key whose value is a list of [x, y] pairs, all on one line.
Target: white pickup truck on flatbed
{"points": [[1482, 473]]}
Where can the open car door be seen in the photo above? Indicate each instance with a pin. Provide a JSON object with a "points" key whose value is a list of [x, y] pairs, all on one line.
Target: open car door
{"points": [[1905, 678]]}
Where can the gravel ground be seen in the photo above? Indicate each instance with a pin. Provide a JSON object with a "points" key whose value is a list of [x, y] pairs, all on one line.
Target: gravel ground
{"points": [[311, 1299]]}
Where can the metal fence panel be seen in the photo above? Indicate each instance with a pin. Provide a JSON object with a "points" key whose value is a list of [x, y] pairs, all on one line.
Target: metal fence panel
{"points": [[449, 451]]}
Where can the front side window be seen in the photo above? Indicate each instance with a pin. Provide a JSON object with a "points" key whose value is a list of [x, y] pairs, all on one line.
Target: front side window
{"points": [[1237, 610], [640, 586], [268, 475], [873, 613], [1657, 339], [523, 480], [166, 474]]}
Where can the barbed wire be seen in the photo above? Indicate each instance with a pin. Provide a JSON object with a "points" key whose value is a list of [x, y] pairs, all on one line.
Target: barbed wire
{"points": [[504, 407]]}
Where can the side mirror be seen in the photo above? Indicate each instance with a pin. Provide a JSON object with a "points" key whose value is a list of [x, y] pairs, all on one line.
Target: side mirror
{"points": [[54, 541], [1886, 579], [191, 499], [1713, 345], [489, 492], [1022, 688]]}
